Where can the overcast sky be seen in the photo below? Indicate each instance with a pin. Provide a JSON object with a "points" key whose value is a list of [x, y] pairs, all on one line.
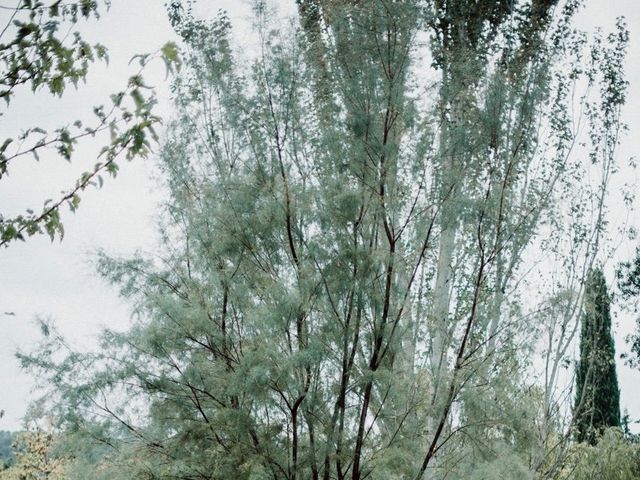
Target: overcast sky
{"points": [[56, 280]]}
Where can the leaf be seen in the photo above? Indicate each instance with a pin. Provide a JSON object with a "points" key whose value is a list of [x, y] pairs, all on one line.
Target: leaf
{"points": [[56, 85], [142, 59], [74, 202], [138, 99], [116, 98], [170, 51], [8, 233], [6, 143], [171, 56], [54, 9], [101, 52]]}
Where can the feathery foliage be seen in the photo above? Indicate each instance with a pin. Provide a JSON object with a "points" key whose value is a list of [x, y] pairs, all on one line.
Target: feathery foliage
{"points": [[339, 292]]}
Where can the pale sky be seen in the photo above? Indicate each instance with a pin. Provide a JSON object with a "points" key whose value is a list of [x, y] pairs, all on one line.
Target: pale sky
{"points": [[56, 280]]}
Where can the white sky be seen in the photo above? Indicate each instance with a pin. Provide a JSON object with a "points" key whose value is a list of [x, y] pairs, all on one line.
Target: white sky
{"points": [[56, 279]]}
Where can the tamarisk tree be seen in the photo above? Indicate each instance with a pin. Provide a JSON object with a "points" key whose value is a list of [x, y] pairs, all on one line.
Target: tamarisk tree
{"points": [[350, 208]]}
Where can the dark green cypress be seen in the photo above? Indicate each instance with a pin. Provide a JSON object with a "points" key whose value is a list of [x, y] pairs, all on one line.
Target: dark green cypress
{"points": [[597, 403]]}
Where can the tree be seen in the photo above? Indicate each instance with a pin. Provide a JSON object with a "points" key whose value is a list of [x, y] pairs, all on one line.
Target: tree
{"points": [[597, 404], [6, 455], [345, 245], [35, 458], [628, 276], [39, 50]]}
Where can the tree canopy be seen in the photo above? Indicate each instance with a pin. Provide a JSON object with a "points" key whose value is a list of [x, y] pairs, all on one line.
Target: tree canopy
{"points": [[348, 283]]}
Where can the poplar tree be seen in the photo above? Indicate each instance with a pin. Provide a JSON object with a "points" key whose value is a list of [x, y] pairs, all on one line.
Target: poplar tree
{"points": [[597, 403]]}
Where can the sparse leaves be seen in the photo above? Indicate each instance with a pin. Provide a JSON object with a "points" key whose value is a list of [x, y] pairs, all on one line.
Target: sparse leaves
{"points": [[39, 57]]}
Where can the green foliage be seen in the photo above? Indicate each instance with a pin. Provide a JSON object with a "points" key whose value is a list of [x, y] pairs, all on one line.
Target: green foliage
{"points": [[628, 276], [338, 288], [597, 404], [42, 57], [613, 458], [35, 458], [6, 453], [38, 56], [505, 465]]}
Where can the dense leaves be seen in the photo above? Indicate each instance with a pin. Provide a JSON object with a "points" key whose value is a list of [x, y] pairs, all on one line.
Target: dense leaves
{"points": [[344, 286], [597, 404], [35, 458], [6, 454], [614, 457]]}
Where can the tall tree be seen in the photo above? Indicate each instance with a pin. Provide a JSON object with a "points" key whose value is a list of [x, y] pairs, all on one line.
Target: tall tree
{"points": [[349, 213], [597, 403]]}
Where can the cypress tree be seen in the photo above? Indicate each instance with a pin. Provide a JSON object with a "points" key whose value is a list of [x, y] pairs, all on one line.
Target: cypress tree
{"points": [[597, 403]]}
